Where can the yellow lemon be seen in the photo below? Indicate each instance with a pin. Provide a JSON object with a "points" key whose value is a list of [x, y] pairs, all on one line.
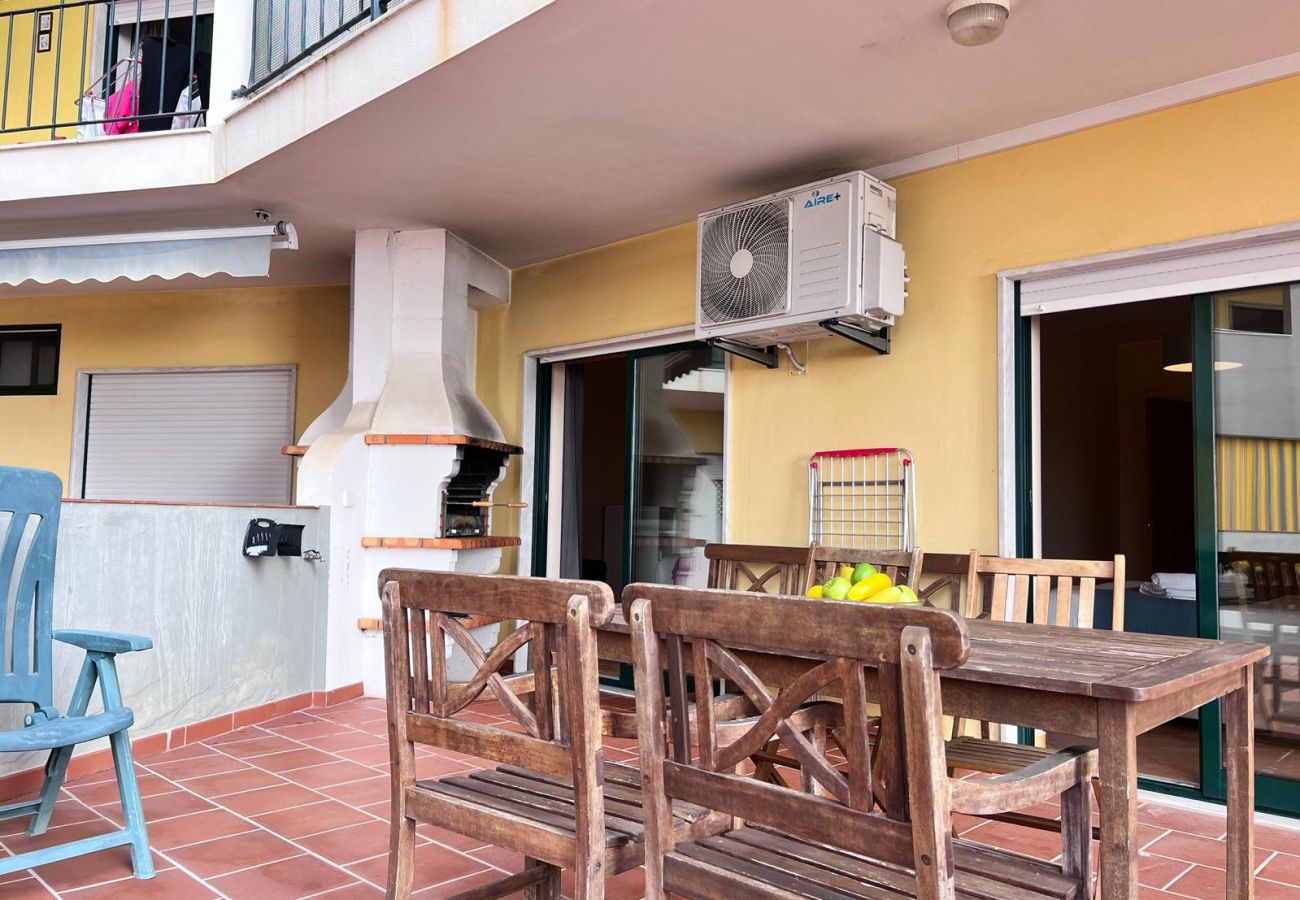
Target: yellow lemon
{"points": [[815, 591], [846, 572], [874, 584]]}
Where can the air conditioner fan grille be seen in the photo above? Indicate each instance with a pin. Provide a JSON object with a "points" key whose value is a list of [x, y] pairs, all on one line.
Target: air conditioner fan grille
{"points": [[744, 263]]}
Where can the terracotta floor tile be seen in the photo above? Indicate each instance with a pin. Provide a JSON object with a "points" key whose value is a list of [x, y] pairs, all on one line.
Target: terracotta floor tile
{"points": [[160, 806], [93, 868], [212, 764], [437, 767], [1274, 837], [67, 811], [1158, 871], [239, 734], [358, 793], [1284, 868], [25, 888], [308, 730], [106, 791], [452, 888], [330, 774], [1183, 820], [433, 864], [503, 859], [230, 854], [245, 779], [191, 751], [351, 844], [1030, 841], [62, 834], [294, 759], [264, 800], [358, 891], [301, 876], [172, 885], [191, 829], [1211, 884], [259, 746], [313, 818], [348, 740], [1196, 849], [293, 718], [372, 755]]}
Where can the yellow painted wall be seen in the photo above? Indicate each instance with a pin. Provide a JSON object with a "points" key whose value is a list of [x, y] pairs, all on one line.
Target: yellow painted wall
{"points": [[307, 326], [68, 28], [1214, 166]]}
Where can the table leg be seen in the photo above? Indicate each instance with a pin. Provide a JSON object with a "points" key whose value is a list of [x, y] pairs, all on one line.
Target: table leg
{"points": [[1117, 771], [1239, 757]]}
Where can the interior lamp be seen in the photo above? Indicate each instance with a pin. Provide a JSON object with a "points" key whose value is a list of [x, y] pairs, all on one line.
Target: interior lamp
{"points": [[1178, 354], [975, 22]]}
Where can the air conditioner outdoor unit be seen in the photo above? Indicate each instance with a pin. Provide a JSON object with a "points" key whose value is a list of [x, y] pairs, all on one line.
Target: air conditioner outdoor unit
{"points": [[797, 264]]}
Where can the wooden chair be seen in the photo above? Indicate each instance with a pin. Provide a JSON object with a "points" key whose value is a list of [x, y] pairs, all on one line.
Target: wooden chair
{"points": [[29, 526], [943, 582], [555, 799], [1011, 599], [826, 562], [758, 568], [793, 843]]}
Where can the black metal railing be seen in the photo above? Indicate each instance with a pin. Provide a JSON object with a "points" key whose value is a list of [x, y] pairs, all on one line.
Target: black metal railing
{"points": [[286, 32], [86, 68]]}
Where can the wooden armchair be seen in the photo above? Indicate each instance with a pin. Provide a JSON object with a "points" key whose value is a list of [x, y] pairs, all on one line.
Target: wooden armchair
{"points": [[1010, 581], [757, 568], [794, 843], [555, 800]]}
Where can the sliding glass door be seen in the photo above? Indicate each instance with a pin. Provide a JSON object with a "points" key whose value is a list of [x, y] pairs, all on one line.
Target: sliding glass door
{"points": [[1169, 430]]}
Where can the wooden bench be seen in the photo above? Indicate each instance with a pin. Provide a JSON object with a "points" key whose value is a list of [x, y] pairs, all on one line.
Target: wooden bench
{"points": [[556, 800], [835, 844]]}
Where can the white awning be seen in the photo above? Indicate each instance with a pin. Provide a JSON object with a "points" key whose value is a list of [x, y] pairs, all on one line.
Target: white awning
{"points": [[239, 251]]}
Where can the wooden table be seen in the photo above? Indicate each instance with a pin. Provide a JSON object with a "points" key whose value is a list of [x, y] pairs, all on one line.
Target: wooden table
{"points": [[1104, 686]]}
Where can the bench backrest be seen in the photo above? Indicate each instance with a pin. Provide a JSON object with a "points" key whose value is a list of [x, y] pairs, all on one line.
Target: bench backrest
{"points": [[558, 730], [758, 568], [848, 647]]}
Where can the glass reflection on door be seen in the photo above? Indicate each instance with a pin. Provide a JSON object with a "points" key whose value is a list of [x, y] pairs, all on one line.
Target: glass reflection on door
{"points": [[1257, 459], [676, 464]]}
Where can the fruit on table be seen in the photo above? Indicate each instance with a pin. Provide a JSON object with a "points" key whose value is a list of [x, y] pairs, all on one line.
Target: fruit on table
{"points": [[861, 571], [888, 595], [815, 591], [846, 572], [909, 596], [868, 587], [836, 589]]}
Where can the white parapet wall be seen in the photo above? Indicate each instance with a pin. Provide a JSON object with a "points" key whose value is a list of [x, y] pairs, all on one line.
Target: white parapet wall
{"points": [[229, 632]]}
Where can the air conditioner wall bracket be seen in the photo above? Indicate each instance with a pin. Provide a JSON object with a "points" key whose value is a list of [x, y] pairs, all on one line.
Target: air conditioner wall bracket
{"points": [[767, 357], [878, 341]]}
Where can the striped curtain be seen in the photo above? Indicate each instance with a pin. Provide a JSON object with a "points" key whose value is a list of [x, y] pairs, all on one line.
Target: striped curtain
{"points": [[1258, 486]]}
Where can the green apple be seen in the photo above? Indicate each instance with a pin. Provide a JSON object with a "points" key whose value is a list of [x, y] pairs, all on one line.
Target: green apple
{"points": [[836, 589], [861, 571]]}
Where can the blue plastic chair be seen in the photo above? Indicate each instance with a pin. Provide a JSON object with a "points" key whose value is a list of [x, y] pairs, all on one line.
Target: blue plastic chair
{"points": [[30, 500]]}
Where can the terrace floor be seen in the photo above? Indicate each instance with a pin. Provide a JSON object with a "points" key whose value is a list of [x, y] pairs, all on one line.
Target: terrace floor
{"points": [[298, 806]]}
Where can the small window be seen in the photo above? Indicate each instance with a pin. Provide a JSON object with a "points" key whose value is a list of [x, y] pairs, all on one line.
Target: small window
{"points": [[29, 359], [1261, 310]]}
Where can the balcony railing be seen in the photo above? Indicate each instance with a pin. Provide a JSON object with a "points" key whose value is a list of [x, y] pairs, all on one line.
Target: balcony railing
{"points": [[286, 32], [86, 68]]}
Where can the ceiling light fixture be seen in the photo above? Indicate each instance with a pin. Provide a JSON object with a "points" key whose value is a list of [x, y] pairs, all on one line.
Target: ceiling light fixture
{"points": [[1178, 354], [975, 22]]}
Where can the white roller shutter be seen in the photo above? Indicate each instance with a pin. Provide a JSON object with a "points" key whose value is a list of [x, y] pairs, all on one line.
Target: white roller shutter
{"points": [[126, 11], [202, 436]]}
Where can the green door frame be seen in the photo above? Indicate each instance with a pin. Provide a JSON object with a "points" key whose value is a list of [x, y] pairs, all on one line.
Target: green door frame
{"points": [[1272, 794]]}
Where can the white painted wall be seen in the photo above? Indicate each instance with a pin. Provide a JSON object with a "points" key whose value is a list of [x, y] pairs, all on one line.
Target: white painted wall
{"points": [[229, 632]]}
